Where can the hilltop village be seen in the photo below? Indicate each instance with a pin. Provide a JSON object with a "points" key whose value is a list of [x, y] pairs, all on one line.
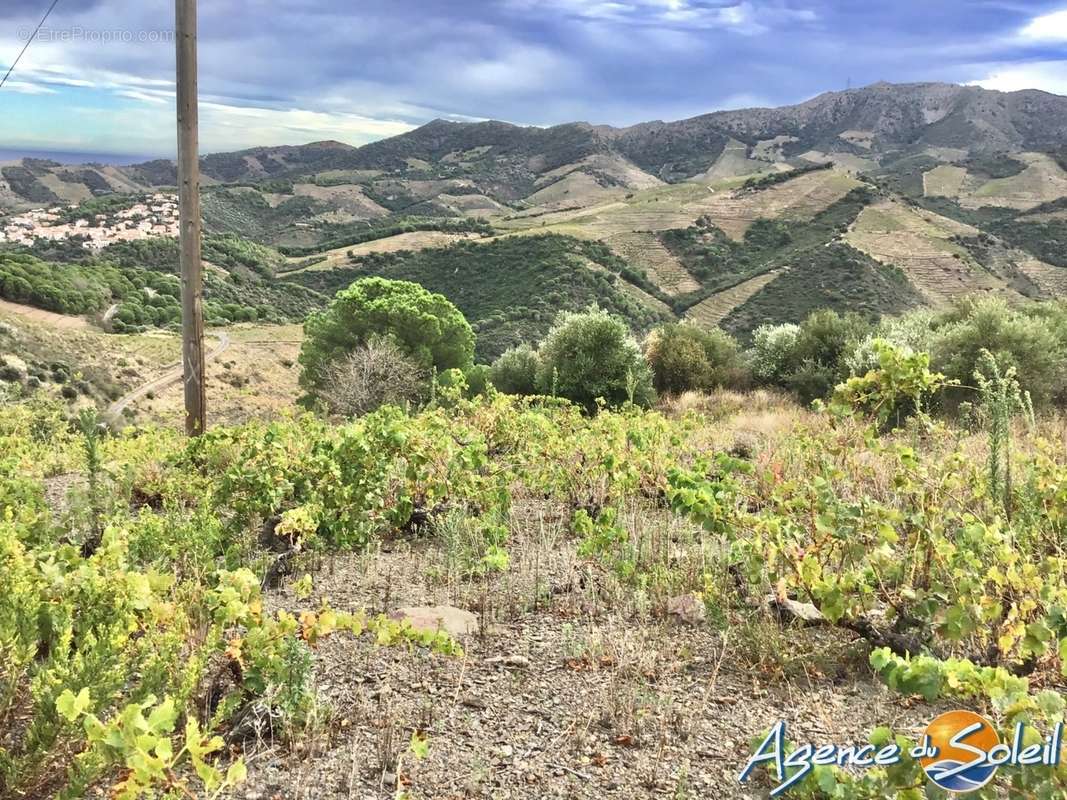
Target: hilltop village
{"points": [[154, 215]]}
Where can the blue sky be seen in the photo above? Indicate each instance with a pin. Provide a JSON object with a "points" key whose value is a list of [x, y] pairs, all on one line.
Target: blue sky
{"points": [[100, 76]]}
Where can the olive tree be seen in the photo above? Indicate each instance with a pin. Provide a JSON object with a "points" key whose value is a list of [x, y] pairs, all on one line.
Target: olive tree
{"points": [[591, 355]]}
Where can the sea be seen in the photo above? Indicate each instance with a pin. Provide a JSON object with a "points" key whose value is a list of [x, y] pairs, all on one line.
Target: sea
{"points": [[74, 157]]}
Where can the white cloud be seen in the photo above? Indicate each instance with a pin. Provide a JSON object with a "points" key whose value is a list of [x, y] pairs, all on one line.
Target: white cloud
{"points": [[739, 16], [743, 100], [26, 87], [1047, 28], [1049, 76], [230, 127], [519, 68]]}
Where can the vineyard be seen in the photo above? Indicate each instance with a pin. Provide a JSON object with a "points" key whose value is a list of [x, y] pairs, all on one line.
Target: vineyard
{"points": [[650, 590]]}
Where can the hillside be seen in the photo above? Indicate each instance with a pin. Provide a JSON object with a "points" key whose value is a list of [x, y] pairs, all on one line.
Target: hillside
{"points": [[510, 289], [931, 191], [857, 128]]}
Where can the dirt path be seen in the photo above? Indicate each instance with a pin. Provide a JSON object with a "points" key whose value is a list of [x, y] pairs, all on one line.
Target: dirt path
{"points": [[172, 375], [46, 317]]}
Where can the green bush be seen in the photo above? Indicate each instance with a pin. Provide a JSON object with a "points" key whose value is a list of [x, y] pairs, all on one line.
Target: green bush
{"points": [[1033, 341], [425, 327], [515, 372], [10, 374], [591, 355], [811, 358], [825, 341], [773, 346], [478, 379], [684, 357]]}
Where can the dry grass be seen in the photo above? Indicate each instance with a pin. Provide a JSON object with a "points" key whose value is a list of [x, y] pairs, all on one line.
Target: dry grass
{"points": [[944, 181], [255, 378]]}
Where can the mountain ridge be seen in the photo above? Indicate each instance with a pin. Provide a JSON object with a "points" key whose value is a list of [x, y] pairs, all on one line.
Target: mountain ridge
{"points": [[868, 199], [866, 123]]}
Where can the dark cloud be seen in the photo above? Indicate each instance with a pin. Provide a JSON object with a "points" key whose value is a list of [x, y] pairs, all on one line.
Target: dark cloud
{"points": [[545, 61]]}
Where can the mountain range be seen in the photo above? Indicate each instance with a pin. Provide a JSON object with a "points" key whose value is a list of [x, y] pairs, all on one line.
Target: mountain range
{"points": [[856, 128], [872, 199]]}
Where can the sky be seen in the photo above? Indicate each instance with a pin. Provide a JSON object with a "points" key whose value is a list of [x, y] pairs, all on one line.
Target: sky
{"points": [[99, 76]]}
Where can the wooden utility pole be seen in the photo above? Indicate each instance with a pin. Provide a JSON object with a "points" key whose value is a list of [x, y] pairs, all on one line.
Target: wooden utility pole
{"points": [[189, 219]]}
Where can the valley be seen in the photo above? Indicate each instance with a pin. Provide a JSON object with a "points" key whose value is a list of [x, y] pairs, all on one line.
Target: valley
{"points": [[681, 212]]}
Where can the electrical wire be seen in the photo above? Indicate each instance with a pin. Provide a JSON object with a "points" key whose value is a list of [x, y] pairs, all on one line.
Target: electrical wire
{"points": [[26, 46]]}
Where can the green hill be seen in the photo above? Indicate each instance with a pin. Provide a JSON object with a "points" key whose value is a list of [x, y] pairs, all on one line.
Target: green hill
{"points": [[510, 289]]}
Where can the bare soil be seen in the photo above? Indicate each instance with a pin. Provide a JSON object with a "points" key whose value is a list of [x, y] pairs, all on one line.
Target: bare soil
{"points": [[575, 686]]}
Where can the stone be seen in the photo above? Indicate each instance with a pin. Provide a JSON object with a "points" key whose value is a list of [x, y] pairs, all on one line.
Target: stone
{"points": [[454, 621], [519, 662], [788, 610], [687, 608]]}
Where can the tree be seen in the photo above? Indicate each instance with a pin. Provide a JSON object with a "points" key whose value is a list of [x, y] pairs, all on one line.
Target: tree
{"points": [[425, 327], [684, 357], [592, 355], [372, 375], [515, 372]]}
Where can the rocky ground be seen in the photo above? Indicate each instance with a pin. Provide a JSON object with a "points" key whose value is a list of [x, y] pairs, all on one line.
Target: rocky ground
{"points": [[573, 685]]}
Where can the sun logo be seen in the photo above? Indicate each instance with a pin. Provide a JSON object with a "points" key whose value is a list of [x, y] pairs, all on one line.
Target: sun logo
{"points": [[960, 744]]}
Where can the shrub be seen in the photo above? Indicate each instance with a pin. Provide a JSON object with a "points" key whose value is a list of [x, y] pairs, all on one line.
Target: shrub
{"points": [[811, 358], [820, 353], [478, 379], [909, 333], [811, 380], [371, 376], [684, 357], [69, 392], [425, 327], [1030, 342], [771, 357], [10, 373], [591, 355], [894, 390], [827, 338], [515, 372]]}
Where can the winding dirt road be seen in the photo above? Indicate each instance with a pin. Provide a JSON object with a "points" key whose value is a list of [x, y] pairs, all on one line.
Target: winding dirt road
{"points": [[172, 375]]}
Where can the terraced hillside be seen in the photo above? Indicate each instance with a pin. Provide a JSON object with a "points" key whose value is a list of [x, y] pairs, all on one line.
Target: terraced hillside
{"points": [[800, 198], [413, 241], [712, 311], [643, 250], [1030, 180], [1051, 280], [838, 277], [923, 245]]}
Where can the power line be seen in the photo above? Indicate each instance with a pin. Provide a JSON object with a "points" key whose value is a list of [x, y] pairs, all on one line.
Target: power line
{"points": [[26, 46]]}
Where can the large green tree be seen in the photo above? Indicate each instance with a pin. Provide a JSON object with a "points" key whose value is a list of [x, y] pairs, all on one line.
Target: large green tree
{"points": [[424, 326]]}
